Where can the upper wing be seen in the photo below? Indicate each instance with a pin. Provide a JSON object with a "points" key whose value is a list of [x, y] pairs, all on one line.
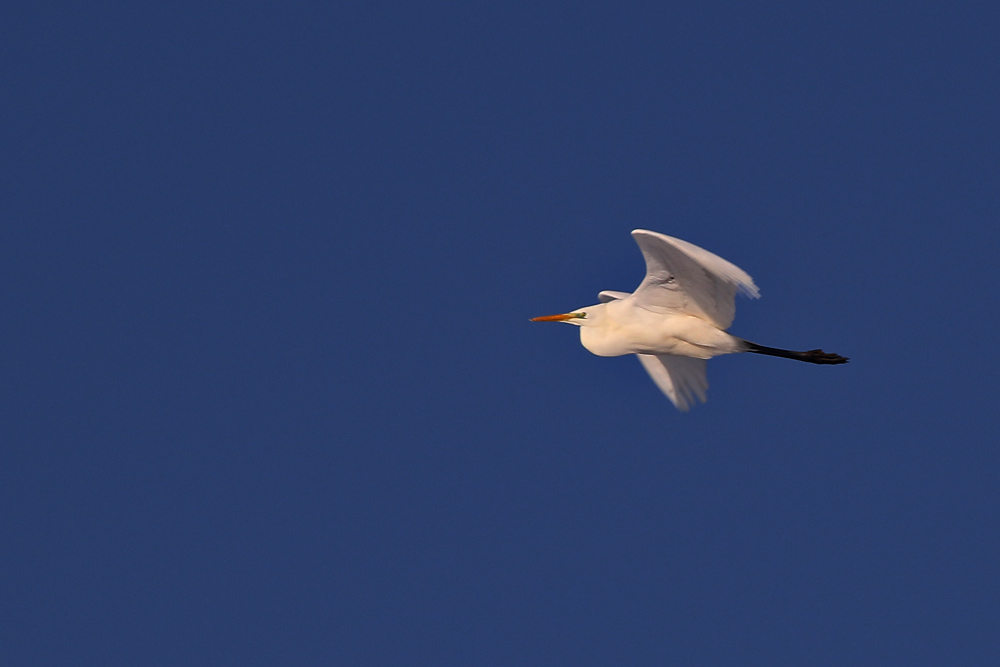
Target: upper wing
{"points": [[682, 379], [682, 277], [611, 295]]}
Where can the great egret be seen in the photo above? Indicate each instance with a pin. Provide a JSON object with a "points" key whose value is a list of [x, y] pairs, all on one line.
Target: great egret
{"points": [[676, 319]]}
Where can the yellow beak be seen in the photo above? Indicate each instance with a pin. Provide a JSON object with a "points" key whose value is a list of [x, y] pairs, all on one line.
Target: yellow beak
{"points": [[559, 318]]}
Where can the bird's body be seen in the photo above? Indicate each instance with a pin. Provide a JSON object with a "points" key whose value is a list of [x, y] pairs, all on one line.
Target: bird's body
{"points": [[676, 319], [627, 329]]}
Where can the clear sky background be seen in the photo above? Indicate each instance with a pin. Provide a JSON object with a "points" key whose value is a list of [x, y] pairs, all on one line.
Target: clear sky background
{"points": [[270, 392]]}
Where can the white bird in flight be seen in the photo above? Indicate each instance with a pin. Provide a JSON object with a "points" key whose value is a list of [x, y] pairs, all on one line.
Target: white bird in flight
{"points": [[676, 319]]}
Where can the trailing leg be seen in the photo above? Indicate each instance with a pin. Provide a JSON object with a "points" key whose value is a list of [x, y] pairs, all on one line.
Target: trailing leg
{"points": [[812, 356]]}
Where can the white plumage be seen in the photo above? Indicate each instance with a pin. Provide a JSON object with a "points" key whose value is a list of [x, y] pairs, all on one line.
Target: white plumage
{"points": [[676, 319]]}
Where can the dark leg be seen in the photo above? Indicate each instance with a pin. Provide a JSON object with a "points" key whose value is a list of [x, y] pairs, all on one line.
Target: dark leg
{"points": [[812, 356]]}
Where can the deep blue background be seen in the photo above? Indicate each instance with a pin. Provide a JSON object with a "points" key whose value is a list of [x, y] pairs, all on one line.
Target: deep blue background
{"points": [[270, 392]]}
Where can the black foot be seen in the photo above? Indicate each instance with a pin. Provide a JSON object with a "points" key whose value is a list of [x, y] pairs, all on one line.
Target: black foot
{"points": [[821, 357]]}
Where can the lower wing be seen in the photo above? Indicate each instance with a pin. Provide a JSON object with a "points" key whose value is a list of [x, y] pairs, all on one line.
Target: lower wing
{"points": [[682, 379]]}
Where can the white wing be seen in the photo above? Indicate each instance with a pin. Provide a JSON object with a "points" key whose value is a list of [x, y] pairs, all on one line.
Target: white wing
{"points": [[682, 277], [682, 379], [611, 295]]}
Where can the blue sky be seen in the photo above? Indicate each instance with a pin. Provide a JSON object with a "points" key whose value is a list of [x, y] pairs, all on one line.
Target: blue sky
{"points": [[271, 395]]}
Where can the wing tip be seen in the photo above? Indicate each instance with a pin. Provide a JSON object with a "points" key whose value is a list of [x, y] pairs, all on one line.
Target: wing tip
{"points": [[681, 379], [726, 270]]}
